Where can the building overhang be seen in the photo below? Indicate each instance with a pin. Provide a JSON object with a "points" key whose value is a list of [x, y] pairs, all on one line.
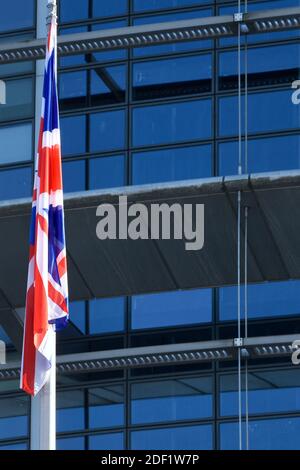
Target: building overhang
{"points": [[109, 268]]}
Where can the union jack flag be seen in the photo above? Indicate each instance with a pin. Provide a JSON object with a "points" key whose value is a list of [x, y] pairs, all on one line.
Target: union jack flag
{"points": [[47, 285]]}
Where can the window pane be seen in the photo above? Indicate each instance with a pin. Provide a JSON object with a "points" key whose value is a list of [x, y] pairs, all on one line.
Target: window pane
{"points": [[16, 143], [172, 77], [71, 443], [16, 68], [275, 391], [184, 438], [107, 131], [70, 411], [175, 122], [272, 299], [108, 85], [113, 441], [72, 11], [109, 8], [107, 315], [15, 183], [172, 164], [265, 66], [263, 113], [263, 155], [106, 407], [171, 308], [16, 14], [14, 417], [73, 60], [171, 400], [175, 47], [74, 176], [273, 434], [22, 446], [144, 5], [19, 100], [78, 315], [107, 172], [73, 135], [73, 90]]}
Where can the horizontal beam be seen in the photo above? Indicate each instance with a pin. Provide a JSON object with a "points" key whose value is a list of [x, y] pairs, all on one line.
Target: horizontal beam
{"points": [[216, 27], [164, 355]]}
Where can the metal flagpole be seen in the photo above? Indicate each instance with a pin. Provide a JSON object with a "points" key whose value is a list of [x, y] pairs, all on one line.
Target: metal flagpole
{"points": [[43, 405]]}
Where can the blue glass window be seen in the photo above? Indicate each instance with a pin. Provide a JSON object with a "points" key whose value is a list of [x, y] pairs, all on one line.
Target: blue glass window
{"points": [[108, 85], [110, 8], [263, 113], [180, 438], [21, 446], [172, 77], [78, 315], [270, 391], [113, 441], [172, 164], [271, 434], [107, 131], [265, 65], [16, 143], [107, 172], [73, 90], [70, 411], [148, 5], [16, 68], [263, 155], [19, 100], [70, 443], [106, 407], [17, 14], [73, 132], [171, 400], [107, 315], [74, 176], [171, 308], [170, 123], [272, 299], [72, 11], [15, 183], [14, 417], [176, 47]]}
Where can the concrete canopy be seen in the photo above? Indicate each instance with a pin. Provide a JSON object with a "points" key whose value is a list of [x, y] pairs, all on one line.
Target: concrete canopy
{"points": [[125, 267]]}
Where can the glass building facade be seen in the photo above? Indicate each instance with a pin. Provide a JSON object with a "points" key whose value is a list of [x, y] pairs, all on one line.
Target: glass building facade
{"points": [[151, 115]]}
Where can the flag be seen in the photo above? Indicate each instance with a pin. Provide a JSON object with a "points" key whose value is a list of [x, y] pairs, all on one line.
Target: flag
{"points": [[47, 285]]}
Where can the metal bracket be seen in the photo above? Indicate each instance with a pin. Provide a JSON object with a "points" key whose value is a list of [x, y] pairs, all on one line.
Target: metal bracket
{"points": [[238, 342], [238, 17]]}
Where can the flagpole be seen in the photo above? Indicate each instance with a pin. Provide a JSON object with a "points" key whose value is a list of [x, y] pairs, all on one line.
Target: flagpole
{"points": [[43, 405]]}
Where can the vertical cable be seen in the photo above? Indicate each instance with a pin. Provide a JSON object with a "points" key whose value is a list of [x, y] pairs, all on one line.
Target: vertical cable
{"points": [[239, 228]]}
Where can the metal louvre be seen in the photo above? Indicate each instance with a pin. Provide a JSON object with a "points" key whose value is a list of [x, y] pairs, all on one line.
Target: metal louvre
{"points": [[148, 35], [164, 355]]}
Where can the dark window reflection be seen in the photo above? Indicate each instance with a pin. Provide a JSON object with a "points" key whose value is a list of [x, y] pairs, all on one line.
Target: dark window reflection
{"points": [[70, 443], [74, 176], [108, 85], [73, 90], [112, 441], [170, 123], [107, 172], [171, 400], [272, 434], [172, 164], [270, 391], [17, 14], [264, 300], [107, 131], [14, 417], [171, 308], [106, 315], [70, 411], [15, 183], [148, 5], [274, 65], [184, 438], [106, 407], [172, 77], [269, 154], [73, 131]]}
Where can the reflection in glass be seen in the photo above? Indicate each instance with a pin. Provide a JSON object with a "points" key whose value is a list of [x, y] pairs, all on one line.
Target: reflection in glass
{"points": [[70, 410], [106, 315], [14, 417], [107, 131], [106, 406], [107, 172], [112, 441], [171, 400], [16, 183], [16, 143]]}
